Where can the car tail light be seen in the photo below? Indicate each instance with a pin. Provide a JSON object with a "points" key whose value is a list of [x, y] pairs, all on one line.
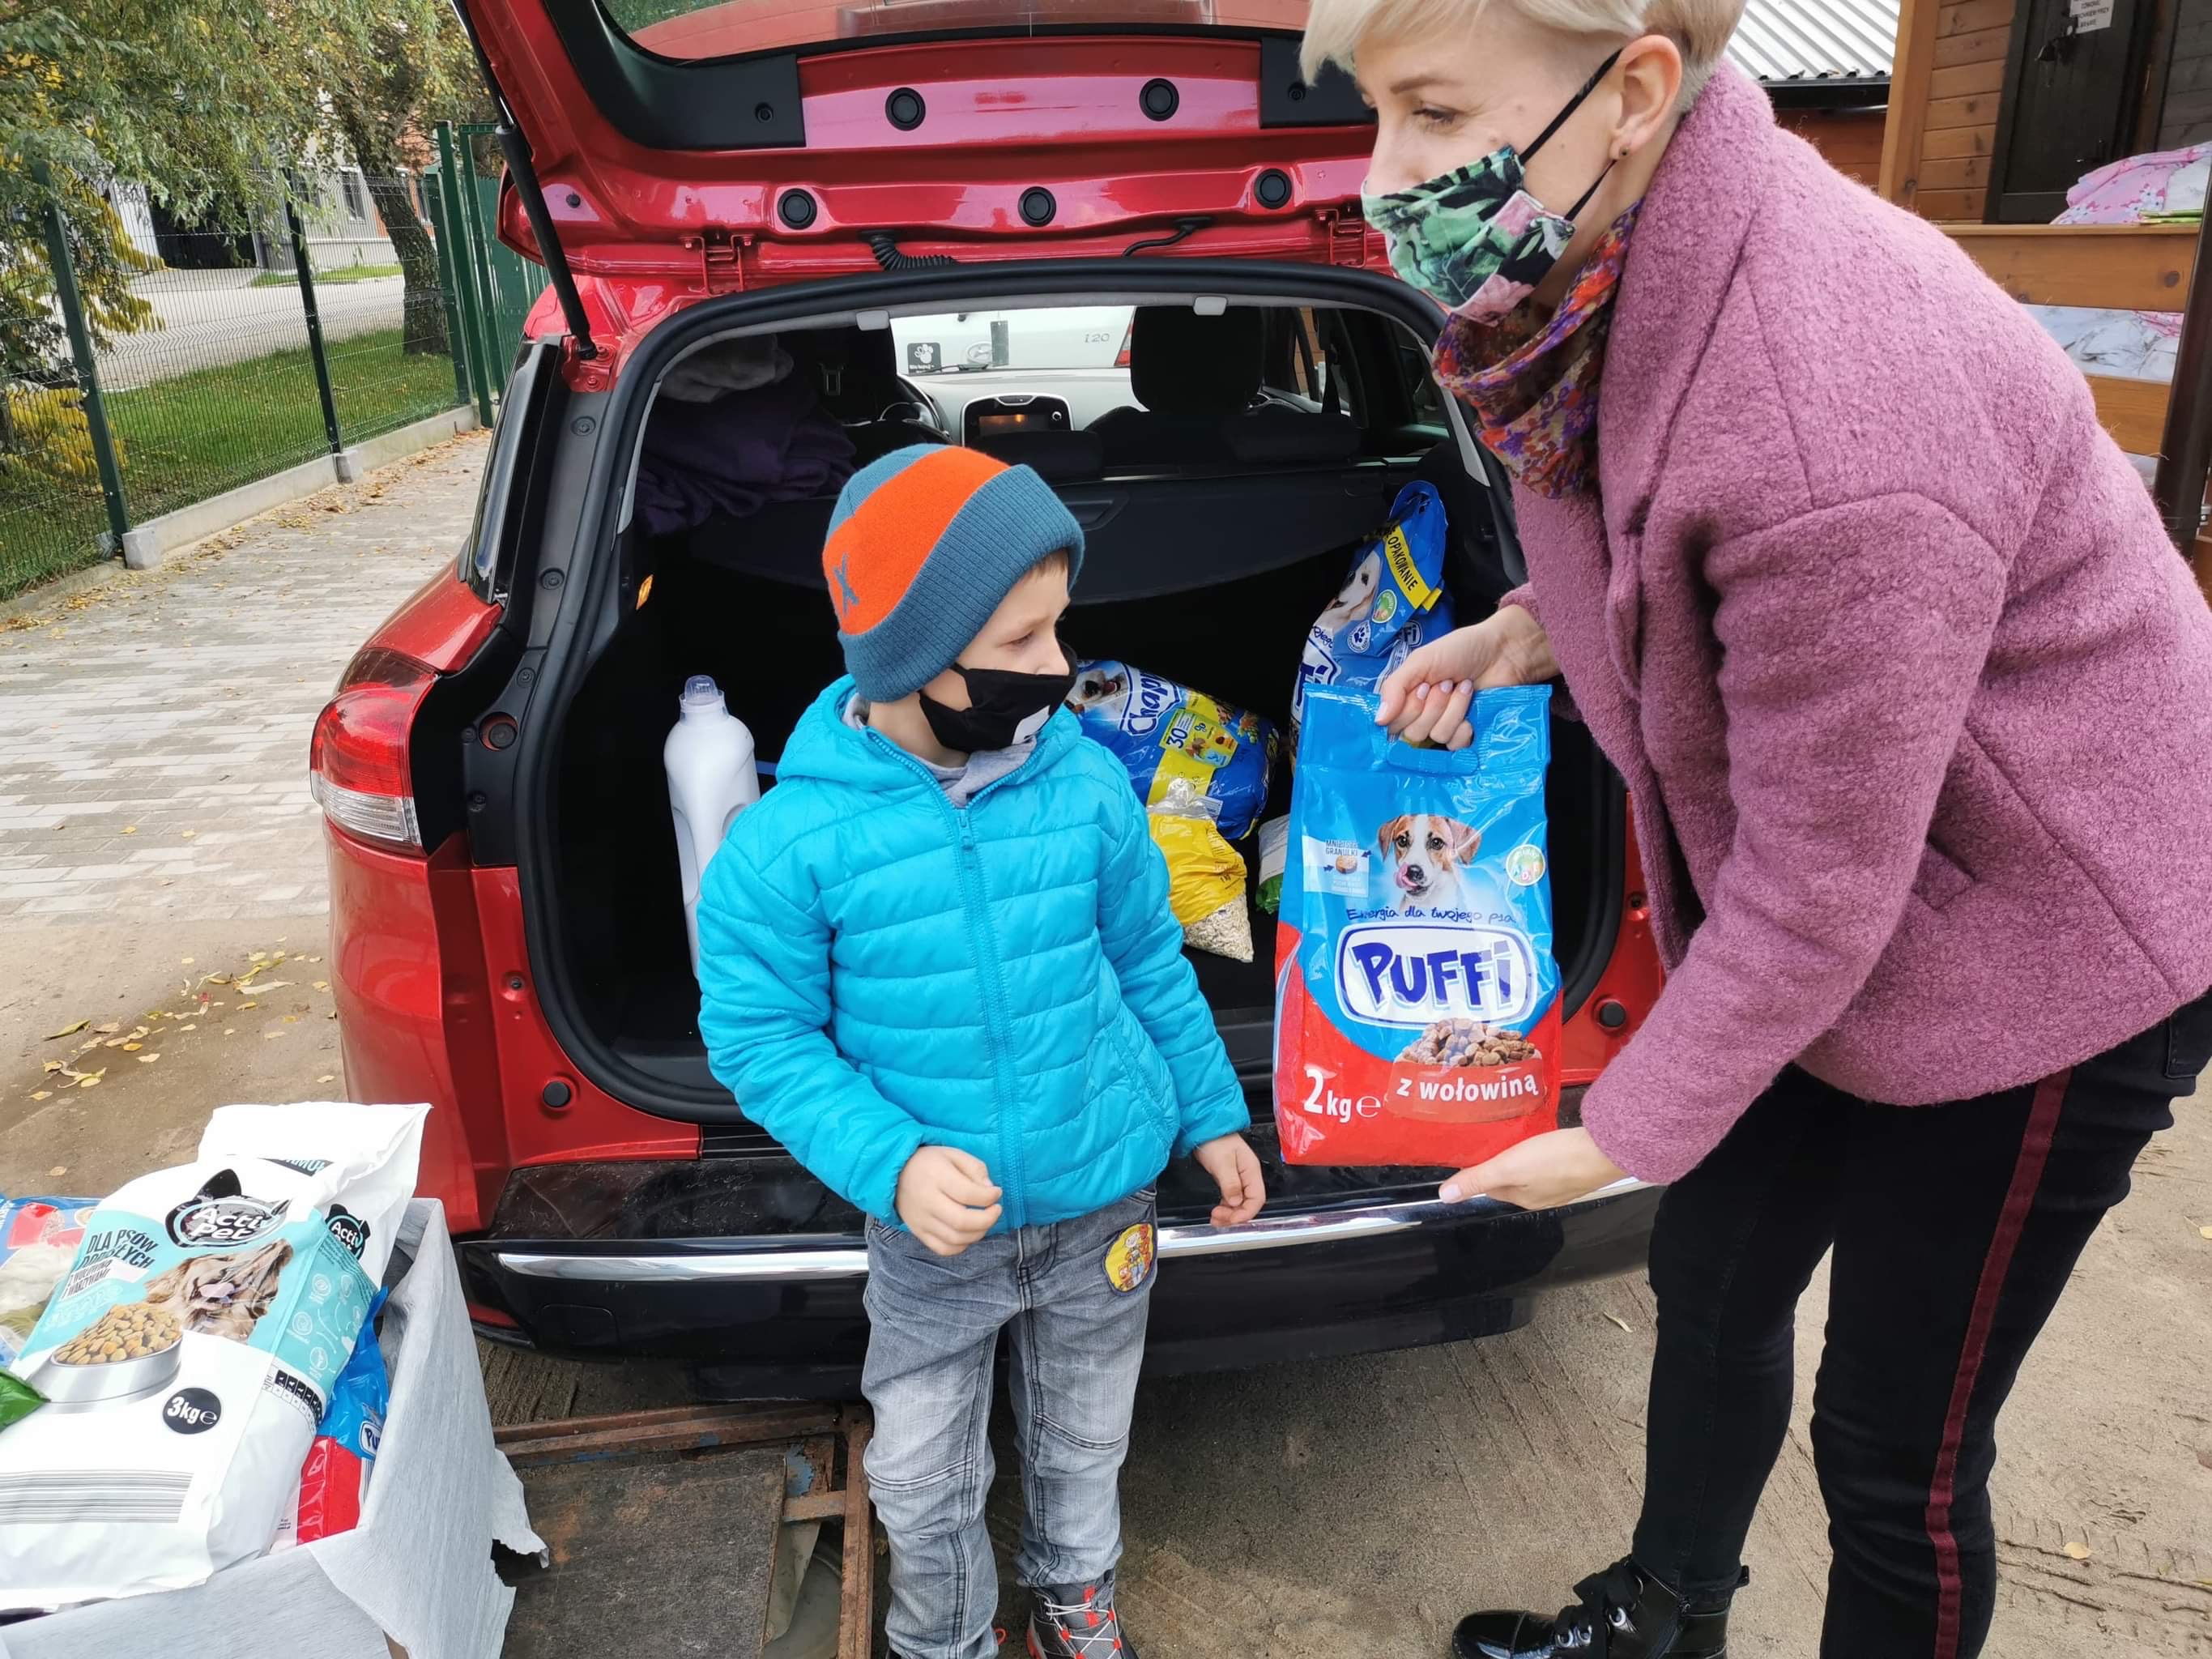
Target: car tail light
{"points": [[357, 765], [1121, 357]]}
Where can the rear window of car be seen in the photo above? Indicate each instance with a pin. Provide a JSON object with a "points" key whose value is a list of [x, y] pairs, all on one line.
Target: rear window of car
{"points": [[725, 28]]}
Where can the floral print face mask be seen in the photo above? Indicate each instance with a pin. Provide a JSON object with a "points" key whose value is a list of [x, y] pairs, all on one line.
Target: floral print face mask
{"points": [[1474, 238]]}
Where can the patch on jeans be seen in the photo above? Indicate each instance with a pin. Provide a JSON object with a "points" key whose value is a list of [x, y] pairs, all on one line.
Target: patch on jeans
{"points": [[1129, 1258]]}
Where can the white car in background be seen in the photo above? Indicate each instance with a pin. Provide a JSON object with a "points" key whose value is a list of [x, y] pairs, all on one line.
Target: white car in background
{"points": [[1048, 337]]}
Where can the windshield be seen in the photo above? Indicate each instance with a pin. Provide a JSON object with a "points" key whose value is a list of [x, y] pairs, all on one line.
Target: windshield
{"points": [[970, 342], [723, 29]]}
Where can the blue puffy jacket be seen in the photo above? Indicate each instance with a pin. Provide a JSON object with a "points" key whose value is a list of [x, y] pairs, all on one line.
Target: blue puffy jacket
{"points": [[882, 971]]}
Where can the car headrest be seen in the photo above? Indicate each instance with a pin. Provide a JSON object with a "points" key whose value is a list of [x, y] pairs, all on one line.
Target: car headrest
{"points": [[1181, 363]]}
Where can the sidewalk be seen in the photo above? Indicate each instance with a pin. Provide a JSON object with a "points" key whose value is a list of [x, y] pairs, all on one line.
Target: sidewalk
{"points": [[154, 731]]}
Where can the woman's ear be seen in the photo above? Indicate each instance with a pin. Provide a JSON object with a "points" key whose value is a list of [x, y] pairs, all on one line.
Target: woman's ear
{"points": [[1650, 70]]}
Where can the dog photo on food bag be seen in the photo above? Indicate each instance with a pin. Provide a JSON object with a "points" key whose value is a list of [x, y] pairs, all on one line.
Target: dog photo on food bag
{"points": [[1427, 853]]}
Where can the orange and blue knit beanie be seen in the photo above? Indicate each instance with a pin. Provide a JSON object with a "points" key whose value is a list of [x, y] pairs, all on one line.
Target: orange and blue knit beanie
{"points": [[923, 545]]}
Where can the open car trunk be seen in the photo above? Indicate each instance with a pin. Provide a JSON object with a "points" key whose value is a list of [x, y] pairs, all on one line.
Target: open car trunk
{"points": [[1210, 575]]}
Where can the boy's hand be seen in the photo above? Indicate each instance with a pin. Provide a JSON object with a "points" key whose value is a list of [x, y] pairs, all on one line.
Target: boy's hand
{"points": [[946, 1199], [1236, 1170]]}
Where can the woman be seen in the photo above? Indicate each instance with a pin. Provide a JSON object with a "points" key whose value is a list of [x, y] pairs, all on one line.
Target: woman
{"points": [[1914, 702]]}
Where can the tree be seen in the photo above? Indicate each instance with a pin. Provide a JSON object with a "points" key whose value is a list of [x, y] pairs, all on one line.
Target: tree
{"points": [[410, 63]]}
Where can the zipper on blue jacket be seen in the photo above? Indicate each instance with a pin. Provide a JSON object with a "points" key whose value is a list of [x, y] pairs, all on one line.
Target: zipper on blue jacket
{"points": [[1012, 1178]]}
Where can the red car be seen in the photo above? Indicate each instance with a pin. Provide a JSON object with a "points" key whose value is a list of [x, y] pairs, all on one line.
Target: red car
{"points": [[951, 216]]}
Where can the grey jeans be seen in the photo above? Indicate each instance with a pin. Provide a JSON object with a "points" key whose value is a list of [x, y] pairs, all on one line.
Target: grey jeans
{"points": [[1075, 1296]]}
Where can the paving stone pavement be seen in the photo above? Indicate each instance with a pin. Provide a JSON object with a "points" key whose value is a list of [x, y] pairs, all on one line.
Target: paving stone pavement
{"points": [[154, 730]]}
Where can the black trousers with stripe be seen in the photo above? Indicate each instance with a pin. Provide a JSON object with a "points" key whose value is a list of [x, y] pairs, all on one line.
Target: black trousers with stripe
{"points": [[1955, 1228]]}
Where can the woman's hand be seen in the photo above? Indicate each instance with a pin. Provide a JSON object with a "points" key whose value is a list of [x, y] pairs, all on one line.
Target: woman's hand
{"points": [[1539, 1173], [1425, 698]]}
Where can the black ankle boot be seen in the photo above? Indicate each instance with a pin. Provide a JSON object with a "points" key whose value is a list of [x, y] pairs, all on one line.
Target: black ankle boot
{"points": [[1619, 1613]]}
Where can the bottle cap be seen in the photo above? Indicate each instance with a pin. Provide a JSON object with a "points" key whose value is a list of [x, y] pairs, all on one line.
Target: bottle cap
{"points": [[699, 691]]}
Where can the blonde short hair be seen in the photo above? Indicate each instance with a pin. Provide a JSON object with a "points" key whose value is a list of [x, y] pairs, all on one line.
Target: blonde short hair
{"points": [[1699, 28]]}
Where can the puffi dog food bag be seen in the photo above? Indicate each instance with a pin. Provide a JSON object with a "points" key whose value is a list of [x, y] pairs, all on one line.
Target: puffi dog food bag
{"points": [[1417, 1002], [191, 1351], [1393, 601]]}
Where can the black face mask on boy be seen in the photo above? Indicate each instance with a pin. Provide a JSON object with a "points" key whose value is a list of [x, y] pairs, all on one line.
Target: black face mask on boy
{"points": [[1004, 708]]}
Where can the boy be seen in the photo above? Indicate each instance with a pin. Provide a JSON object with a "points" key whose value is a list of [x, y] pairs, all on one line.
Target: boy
{"points": [[938, 964]]}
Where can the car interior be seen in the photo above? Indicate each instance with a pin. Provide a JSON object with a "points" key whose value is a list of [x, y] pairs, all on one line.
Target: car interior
{"points": [[1221, 510]]}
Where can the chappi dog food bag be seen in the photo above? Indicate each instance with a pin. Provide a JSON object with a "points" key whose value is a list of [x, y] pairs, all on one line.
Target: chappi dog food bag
{"points": [[1393, 601], [1417, 1002], [1162, 732], [191, 1351]]}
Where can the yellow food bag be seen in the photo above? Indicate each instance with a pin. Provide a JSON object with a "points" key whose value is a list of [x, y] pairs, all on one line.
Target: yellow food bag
{"points": [[1205, 885]]}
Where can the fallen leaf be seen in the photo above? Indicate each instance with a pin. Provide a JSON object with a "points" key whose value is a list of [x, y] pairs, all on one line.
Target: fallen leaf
{"points": [[88, 1083], [147, 1059], [322, 985], [259, 956], [111, 1025], [230, 1031], [2205, 1457], [327, 1077], [2204, 1232], [194, 1026], [249, 1004], [2077, 1552], [271, 1036], [68, 1031], [130, 828], [271, 985], [55, 1065], [58, 1169], [42, 1094], [188, 962], [132, 1048], [215, 979], [291, 1020], [1623, 1323], [188, 834]]}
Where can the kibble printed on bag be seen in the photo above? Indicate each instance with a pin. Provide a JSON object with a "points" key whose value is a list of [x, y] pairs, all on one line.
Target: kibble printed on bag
{"points": [[188, 1351], [1417, 1017]]}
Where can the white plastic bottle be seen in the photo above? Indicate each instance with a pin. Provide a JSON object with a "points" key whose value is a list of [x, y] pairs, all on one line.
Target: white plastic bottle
{"points": [[711, 779]]}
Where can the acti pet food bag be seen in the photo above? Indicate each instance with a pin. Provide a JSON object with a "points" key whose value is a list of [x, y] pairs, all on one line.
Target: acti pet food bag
{"points": [[1393, 601], [1163, 732], [1417, 1003], [334, 1480], [189, 1352]]}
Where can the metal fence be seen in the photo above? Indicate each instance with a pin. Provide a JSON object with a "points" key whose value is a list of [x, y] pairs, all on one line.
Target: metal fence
{"points": [[266, 334]]}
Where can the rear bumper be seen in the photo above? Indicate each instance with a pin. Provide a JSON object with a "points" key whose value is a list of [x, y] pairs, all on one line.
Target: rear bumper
{"points": [[783, 1315]]}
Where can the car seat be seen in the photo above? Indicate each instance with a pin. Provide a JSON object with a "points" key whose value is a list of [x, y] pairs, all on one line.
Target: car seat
{"points": [[1197, 378]]}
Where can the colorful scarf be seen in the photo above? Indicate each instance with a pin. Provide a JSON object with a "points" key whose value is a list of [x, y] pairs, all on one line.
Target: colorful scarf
{"points": [[1531, 382]]}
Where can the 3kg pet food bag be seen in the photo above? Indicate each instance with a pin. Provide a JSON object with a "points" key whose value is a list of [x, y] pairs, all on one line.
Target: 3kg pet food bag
{"points": [[1417, 1003], [1162, 732], [191, 1351], [1393, 601]]}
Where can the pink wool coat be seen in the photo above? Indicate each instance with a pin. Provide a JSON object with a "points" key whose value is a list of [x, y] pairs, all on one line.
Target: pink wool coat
{"points": [[1912, 694]]}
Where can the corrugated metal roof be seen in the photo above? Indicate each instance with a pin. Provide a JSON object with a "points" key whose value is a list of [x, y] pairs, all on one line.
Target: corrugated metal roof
{"points": [[1816, 40]]}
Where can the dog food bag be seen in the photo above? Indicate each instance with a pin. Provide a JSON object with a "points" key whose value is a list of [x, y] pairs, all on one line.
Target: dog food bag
{"points": [[1162, 732], [1393, 601], [1417, 1002], [1205, 874], [192, 1349]]}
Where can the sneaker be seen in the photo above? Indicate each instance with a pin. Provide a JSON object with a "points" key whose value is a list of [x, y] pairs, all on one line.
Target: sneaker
{"points": [[1077, 1621], [1619, 1613]]}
